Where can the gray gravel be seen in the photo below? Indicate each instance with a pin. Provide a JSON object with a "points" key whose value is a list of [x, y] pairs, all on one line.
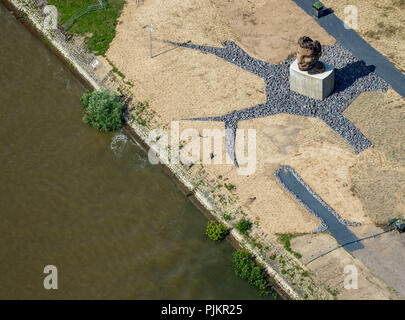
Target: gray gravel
{"points": [[328, 217], [352, 77], [323, 226]]}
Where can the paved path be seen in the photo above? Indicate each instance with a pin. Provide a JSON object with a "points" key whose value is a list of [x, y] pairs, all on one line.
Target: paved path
{"points": [[384, 255], [359, 47]]}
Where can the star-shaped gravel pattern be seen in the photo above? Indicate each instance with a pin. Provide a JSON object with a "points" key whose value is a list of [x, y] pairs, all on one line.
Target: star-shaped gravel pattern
{"points": [[352, 77]]}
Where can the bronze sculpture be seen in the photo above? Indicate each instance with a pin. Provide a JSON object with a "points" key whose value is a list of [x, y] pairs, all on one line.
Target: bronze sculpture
{"points": [[308, 55]]}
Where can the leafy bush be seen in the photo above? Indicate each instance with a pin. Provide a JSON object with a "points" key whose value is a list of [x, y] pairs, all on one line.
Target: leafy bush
{"points": [[247, 269], [103, 110], [244, 226], [216, 231], [318, 5]]}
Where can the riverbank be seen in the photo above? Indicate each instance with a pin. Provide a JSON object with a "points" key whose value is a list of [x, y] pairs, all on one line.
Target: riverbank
{"points": [[90, 202], [77, 60], [186, 181], [204, 184]]}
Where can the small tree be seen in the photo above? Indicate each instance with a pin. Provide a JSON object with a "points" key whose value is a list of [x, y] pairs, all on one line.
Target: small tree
{"points": [[246, 268], [216, 231], [103, 110]]}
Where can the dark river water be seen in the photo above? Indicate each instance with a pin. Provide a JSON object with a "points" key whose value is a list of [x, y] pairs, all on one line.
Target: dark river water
{"points": [[88, 202]]}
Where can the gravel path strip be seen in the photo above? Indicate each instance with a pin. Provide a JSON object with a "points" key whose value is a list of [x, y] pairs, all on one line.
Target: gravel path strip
{"points": [[328, 217]]}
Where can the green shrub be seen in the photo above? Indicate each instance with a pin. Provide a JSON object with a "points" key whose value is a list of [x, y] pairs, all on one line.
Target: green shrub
{"points": [[230, 187], [103, 110], [216, 231], [246, 268], [318, 5], [285, 239], [244, 226]]}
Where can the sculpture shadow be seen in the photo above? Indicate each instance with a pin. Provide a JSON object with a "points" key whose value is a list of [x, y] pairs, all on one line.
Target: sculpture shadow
{"points": [[327, 12], [347, 75]]}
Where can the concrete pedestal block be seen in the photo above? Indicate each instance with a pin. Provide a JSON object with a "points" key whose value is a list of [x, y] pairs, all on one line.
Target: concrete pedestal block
{"points": [[316, 86]]}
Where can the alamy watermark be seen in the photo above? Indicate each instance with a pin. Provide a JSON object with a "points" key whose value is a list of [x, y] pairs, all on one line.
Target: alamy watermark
{"points": [[191, 147], [51, 280], [351, 280], [351, 17]]}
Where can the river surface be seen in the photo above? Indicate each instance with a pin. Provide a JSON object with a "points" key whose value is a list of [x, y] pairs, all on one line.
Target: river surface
{"points": [[88, 202]]}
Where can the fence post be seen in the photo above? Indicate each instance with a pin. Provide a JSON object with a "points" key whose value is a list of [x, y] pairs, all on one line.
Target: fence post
{"points": [[150, 39]]}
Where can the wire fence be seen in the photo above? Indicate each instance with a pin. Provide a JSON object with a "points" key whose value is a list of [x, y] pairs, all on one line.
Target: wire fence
{"points": [[82, 12]]}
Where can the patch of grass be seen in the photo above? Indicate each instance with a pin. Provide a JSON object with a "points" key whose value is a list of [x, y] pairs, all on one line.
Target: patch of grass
{"points": [[120, 74], [230, 186], [244, 226], [227, 217], [281, 261], [216, 231], [246, 268], [100, 24], [333, 292], [372, 34], [285, 239], [141, 113], [305, 274], [255, 243]]}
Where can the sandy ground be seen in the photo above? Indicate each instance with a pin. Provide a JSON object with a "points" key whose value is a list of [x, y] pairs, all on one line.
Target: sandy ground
{"points": [[380, 23], [369, 286], [378, 175], [179, 83], [269, 30]]}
